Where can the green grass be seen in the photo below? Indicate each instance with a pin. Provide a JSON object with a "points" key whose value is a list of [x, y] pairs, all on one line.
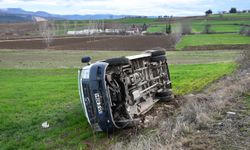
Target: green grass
{"points": [[198, 28], [225, 28], [192, 78], [157, 28], [29, 97], [212, 39], [221, 23], [231, 16]]}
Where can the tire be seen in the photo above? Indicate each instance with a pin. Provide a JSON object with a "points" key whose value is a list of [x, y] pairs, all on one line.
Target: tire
{"points": [[165, 96], [156, 52], [117, 61], [158, 58]]}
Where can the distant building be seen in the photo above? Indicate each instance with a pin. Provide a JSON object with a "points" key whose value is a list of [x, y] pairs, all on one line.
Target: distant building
{"points": [[93, 31]]}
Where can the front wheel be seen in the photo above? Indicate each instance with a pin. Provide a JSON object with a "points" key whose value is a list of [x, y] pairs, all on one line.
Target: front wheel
{"points": [[165, 96]]}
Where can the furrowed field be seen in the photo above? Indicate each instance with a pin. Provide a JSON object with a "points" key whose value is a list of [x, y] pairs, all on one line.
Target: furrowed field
{"points": [[38, 86]]}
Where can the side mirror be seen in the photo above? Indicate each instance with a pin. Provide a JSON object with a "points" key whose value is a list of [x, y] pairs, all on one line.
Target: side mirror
{"points": [[86, 59]]}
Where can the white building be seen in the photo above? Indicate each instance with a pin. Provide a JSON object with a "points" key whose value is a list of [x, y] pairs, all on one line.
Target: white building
{"points": [[93, 31]]}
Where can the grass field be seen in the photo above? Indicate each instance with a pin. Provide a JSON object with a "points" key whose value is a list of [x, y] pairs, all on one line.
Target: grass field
{"points": [[231, 16], [192, 78], [198, 28], [71, 59], [157, 28], [29, 96], [212, 39], [219, 23]]}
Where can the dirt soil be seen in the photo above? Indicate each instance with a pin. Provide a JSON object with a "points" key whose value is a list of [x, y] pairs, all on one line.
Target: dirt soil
{"points": [[92, 43], [17, 30], [216, 118]]}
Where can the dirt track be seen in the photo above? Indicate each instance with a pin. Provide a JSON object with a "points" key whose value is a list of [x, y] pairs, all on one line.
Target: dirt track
{"points": [[93, 43]]}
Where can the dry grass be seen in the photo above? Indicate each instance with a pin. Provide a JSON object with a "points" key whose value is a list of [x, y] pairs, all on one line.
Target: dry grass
{"points": [[244, 60], [195, 114]]}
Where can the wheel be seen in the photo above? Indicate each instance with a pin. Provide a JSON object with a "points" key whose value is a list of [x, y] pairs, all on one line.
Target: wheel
{"points": [[156, 52], [117, 61], [158, 58], [165, 96]]}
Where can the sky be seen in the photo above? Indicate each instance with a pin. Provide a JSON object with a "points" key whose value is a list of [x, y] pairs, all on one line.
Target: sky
{"points": [[127, 7]]}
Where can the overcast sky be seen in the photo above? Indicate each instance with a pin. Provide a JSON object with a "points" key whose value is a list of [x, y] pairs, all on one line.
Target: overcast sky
{"points": [[127, 7]]}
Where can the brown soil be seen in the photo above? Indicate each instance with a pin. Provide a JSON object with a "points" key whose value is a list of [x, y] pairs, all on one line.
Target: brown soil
{"points": [[17, 30], [92, 43]]}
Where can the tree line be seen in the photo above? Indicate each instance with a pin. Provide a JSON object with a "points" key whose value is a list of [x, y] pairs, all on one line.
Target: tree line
{"points": [[231, 11]]}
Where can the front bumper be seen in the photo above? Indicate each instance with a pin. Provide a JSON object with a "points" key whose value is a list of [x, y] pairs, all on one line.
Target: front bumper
{"points": [[95, 98]]}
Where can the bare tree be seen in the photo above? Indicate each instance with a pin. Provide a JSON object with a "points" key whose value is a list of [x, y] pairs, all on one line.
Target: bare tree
{"points": [[75, 26], [47, 31], [185, 28], [65, 27]]}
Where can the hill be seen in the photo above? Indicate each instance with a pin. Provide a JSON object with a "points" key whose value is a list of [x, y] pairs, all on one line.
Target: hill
{"points": [[15, 15]]}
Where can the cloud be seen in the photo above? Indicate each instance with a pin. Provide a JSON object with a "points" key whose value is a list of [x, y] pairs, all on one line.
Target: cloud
{"points": [[130, 7]]}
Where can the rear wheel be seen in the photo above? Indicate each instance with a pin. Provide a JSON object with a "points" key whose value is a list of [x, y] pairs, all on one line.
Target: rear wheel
{"points": [[158, 58], [156, 52], [117, 61]]}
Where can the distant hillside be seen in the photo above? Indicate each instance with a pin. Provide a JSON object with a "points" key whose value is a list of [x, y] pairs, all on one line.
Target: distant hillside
{"points": [[19, 15], [10, 18]]}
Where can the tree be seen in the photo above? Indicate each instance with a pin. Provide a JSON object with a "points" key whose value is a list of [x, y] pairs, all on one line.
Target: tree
{"points": [[233, 10], [144, 27], [208, 12], [47, 31], [207, 29], [168, 28]]}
